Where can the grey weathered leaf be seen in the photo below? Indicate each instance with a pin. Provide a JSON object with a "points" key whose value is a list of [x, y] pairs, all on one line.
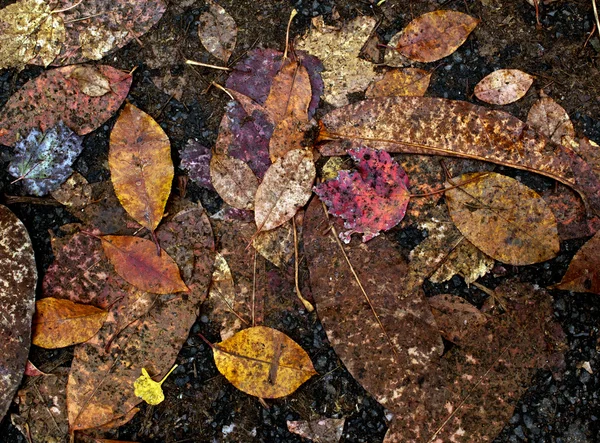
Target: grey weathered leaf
{"points": [[217, 31]]}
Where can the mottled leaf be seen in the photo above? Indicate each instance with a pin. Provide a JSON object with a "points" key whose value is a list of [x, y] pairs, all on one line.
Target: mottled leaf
{"points": [[503, 86], [149, 390], [58, 323], [233, 180], [276, 245], [455, 316], [465, 260], [195, 158], [56, 96], [43, 161], [590, 151], [263, 362], [217, 31], [323, 430], [550, 119], [405, 82], [583, 274], [32, 371], [371, 200], [75, 192], [91, 81]]}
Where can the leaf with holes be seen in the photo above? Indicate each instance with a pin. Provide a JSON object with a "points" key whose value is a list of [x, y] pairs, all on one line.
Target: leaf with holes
{"points": [[217, 31], [233, 180], [583, 274], [503, 86]]}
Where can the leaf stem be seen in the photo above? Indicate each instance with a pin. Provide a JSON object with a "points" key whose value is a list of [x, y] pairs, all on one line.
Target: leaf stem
{"points": [[205, 65], [57, 11]]}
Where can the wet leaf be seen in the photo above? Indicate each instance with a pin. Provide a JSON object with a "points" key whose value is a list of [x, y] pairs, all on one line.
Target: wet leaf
{"points": [[136, 261], [59, 323], [91, 81], [276, 245], [435, 35], [465, 260], [263, 362], [140, 165], [405, 82], [18, 278], [217, 31], [505, 219], [550, 119], [56, 96], [285, 188], [371, 200], [149, 390], [323, 430], [233, 180], [75, 192], [32, 371], [43, 161], [503, 86], [455, 316], [583, 274], [196, 159], [590, 151]]}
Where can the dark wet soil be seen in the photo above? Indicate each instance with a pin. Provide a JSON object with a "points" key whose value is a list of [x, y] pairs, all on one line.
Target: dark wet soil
{"points": [[202, 407]]}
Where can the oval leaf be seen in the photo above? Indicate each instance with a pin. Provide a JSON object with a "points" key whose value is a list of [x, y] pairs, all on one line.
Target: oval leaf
{"points": [[503, 86], [285, 188], [435, 35], [583, 274], [504, 218], [406, 82], [135, 260], [140, 165], [550, 119], [217, 31], [233, 180], [59, 323], [263, 362]]}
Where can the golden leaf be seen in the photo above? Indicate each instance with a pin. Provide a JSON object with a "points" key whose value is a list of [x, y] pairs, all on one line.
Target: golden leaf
{"points": [[149, 390]]}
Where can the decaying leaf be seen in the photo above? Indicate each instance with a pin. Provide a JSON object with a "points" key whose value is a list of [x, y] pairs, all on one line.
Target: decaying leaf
{"points": [[503, 86], [217, 31], [32, 371], [233, 180], [466, 260], [43, 161], [590, 151], [149, 390], [285, 188], [58, 323], [407, 81], [455, 316], [18, 278], [196, 159], [56, 96], [550, 119], [75, 192], [323, 430], [263, 362], [435, 35], [504, 218], [136, 261], [91, 81], [276, 245], [140, 165], [583, 274], [371, 200]]}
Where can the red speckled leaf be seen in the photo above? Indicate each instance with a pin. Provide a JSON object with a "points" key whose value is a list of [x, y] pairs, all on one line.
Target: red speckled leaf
{"points": [[18, 278], [503, 86], [583, 274], [55, 96], [371, 200]]}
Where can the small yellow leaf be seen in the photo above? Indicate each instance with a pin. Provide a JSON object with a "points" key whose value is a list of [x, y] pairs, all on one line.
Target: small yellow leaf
{"points": [[149, 390]]}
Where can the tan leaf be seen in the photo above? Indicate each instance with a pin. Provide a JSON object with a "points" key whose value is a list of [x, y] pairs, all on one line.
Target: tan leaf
{"points": [[407, 81], [550, 119], [91, 81], [583, 274], [75, 193], [465, 260], [455, 316], [503, 86], [276, 245], [217, 31], [233, 180]]}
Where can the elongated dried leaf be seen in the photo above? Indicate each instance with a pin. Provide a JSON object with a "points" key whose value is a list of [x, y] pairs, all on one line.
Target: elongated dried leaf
{"points": [[217, 31], [435, 35], [285, 188], [455, 316], [504, 218], [136, 261], [323, 430], [407, 81], [18, 277], [550, 119], [435, 126], [140, 165], [263, 362], [91, 81], [583, 274], [233, 180], [503, 86], [54, 96], [59, 323]]}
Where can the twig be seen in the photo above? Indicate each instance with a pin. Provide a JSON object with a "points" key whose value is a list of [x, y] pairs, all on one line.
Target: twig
{"points": [[596, 16], [309, 307], [206, 65], [287, 34]]}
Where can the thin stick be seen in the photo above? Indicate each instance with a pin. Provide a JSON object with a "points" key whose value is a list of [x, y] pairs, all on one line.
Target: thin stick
{"points": [[57, 11], [205, 65], [254, 288], [439, 191], [309, 307], [596, 16], [225, 90], [287, 34]]}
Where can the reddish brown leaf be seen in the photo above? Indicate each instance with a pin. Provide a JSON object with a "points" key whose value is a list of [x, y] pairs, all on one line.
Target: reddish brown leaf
{"points": [[405, 82], [32, 371], [583, 274], [233, 180], [54, 96], [91, 81], [550, 119], [217, 31], [455, 316], [503, 86]]}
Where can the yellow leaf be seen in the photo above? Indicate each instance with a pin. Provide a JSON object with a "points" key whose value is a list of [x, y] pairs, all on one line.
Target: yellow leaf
{"points": [[149, 390]]}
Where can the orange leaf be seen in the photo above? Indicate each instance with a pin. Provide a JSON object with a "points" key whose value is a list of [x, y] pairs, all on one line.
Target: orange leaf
{"points": [[58, 323], [503, 86], [406, 82], [136, 261], [140, 165]]}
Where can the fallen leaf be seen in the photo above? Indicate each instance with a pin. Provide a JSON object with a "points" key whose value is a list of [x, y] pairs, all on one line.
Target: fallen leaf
{"points": [[18, 278], [233, 180], [371, 200], [435, 35], [590, 151], [276, 245], [467, 261], [75, 192], [455, 316], [136, 261], [583, 274], [263, 362], [503, 86], [32, 371], [149, 390], [60, 323], [407, 81], [195, 158], [217, 31], [323, 430], [91, 81], [55, 96], [43, 161], [393, 57], [140, 165], [502, 217]]}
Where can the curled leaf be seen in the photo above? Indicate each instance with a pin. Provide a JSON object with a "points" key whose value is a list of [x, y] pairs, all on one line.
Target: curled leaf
{"points": [[149, 390], [503, 86]]}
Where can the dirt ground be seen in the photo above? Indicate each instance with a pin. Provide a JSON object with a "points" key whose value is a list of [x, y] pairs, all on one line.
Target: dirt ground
{"points": [[200, 406]]}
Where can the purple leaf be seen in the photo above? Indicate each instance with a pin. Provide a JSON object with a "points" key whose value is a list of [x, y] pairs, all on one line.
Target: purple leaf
{"points": [[195, 158]]}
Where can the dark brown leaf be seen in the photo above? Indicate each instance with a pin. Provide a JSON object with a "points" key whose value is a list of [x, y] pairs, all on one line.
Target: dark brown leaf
{"points": [[583, 274]]}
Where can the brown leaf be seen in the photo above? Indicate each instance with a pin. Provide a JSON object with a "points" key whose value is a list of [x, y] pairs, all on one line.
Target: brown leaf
{"points": [[504, 218], [550, 119], [455, 316], [217, 31], [76, 193], [59, 323], [435, 35], [233, 180], [140, 165], [590, 151], [404, 82], [503, 86], [583, 274], [465, 260], [136, 261], [91, 81], [276, 245], [323, 430]]}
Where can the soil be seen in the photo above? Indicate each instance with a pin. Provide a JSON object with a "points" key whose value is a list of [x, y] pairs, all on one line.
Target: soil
{"points": [[200, 406]]}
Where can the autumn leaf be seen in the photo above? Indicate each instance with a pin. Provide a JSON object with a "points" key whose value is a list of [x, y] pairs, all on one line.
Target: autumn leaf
{"points": [[371, 200], [43, 161], [217, 31], [455, 316], [405, 82], [149, 390], [465, 260], [503, 86], [583, 274], [233, 180], [276, 245], [550, 119], [136, 261], [323, 430], [140, 165], [75, 192], [195, 158], [59, 323], [18, 278], [263, 362], [91, 81], [435, 35], [504, 218]]}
